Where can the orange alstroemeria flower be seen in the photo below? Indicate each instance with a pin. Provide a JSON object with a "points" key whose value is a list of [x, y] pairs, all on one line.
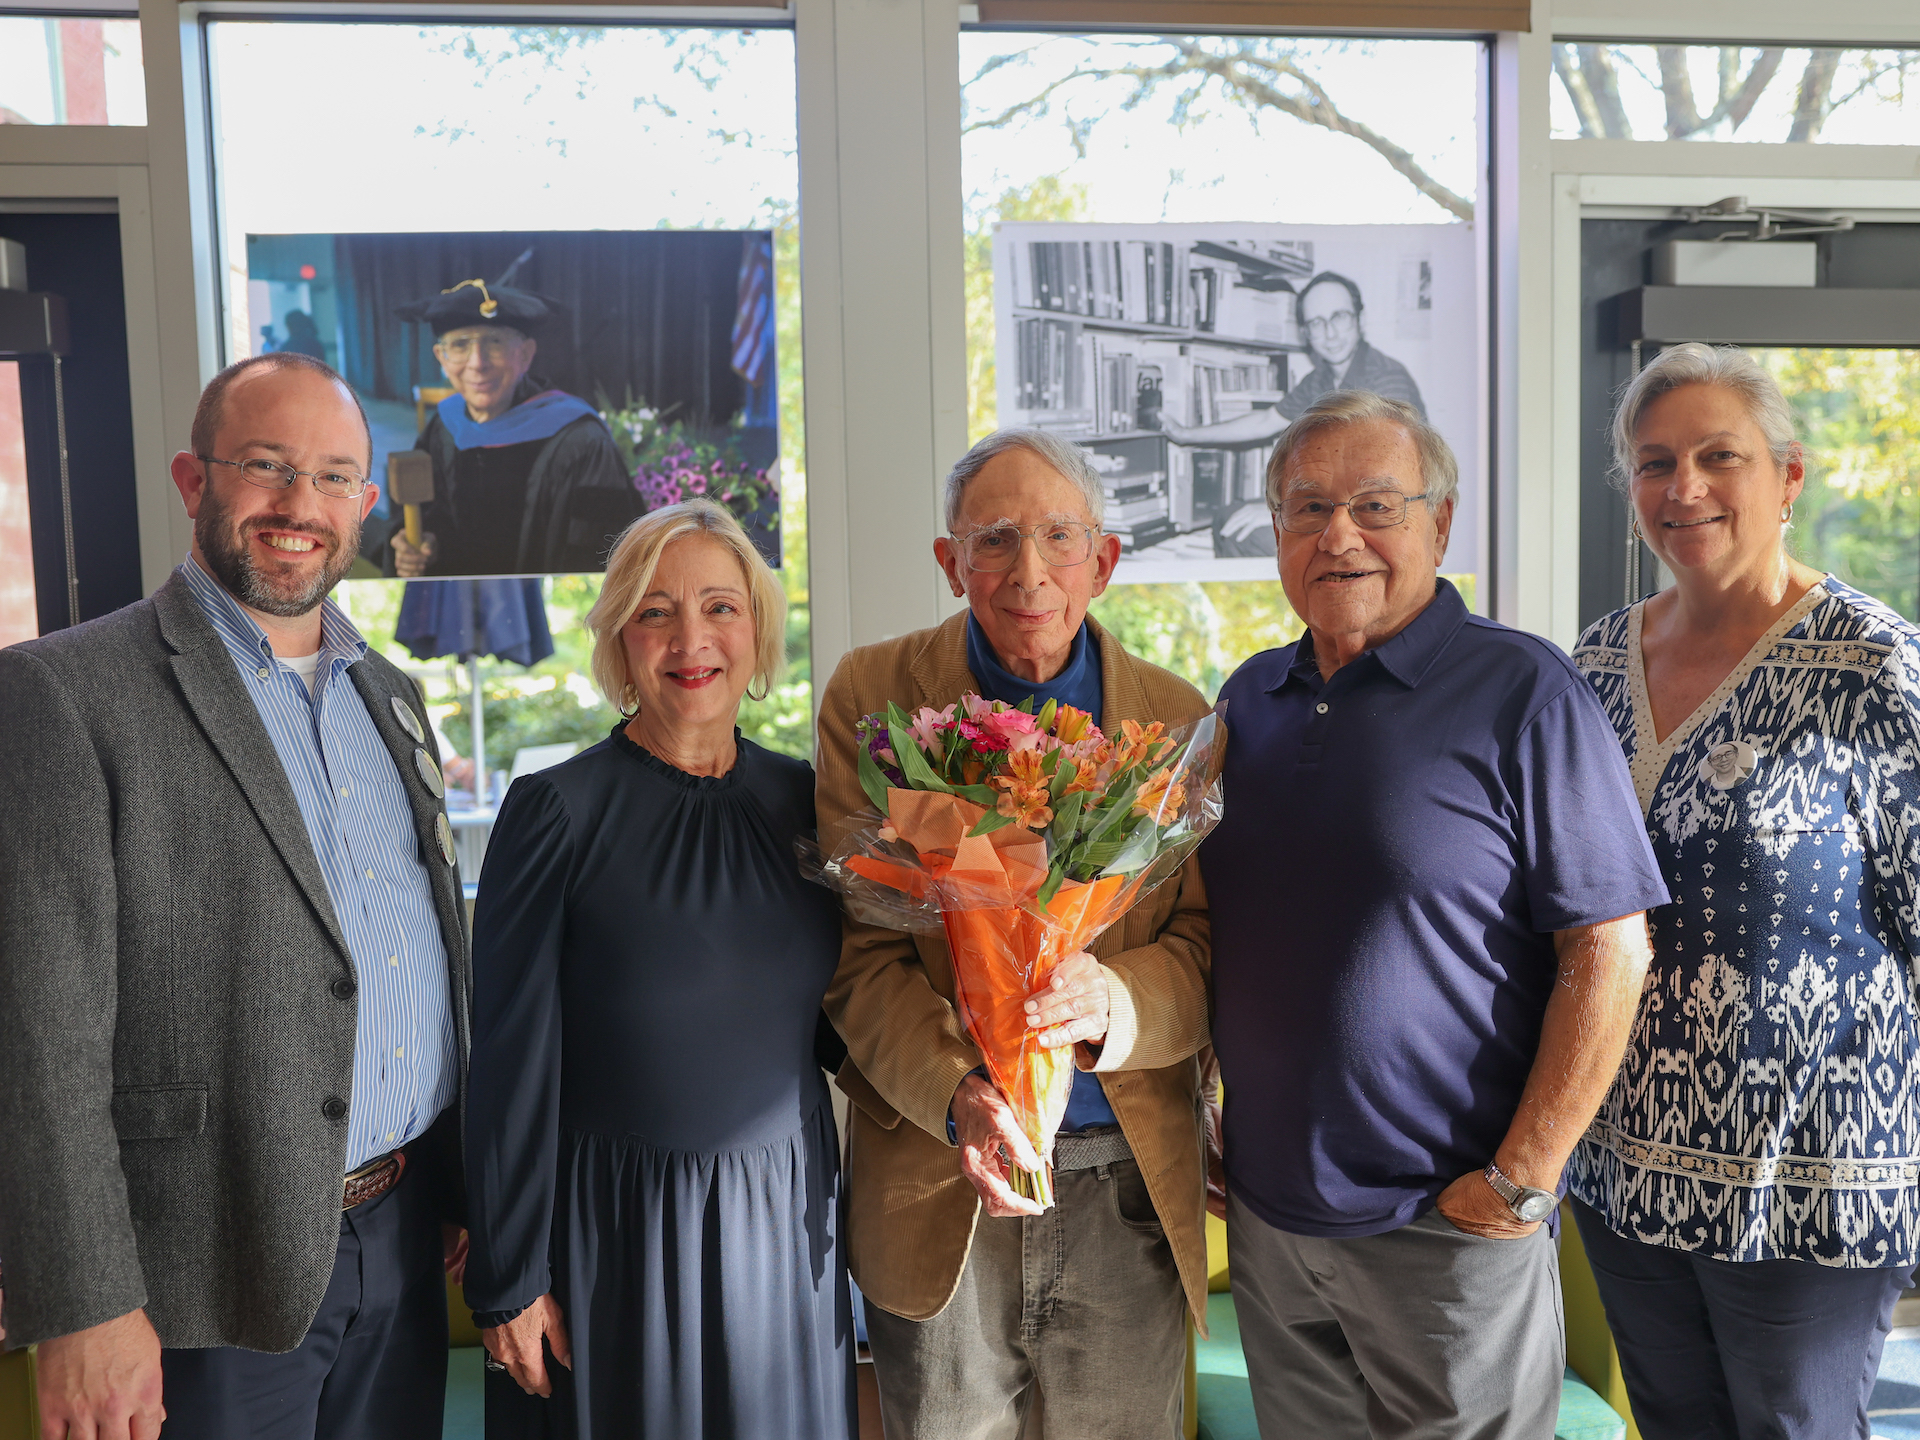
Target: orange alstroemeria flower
{"points": [[1161, 797], [1025, 785], [1070, 725]]}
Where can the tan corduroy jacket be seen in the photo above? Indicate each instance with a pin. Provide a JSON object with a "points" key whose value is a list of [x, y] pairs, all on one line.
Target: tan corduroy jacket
{"points": [[911, 1212]]}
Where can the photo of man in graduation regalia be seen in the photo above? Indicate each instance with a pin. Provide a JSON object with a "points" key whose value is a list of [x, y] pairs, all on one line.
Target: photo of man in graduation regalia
{"points": [[526, 478]]}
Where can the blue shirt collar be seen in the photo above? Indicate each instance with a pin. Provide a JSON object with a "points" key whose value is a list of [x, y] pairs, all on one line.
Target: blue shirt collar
{"points": [[1409, 655], [1079, 683], [340, 642]]}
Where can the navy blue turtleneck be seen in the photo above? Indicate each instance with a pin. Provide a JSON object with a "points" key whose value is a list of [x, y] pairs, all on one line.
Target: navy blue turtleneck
{"points": [[1080, 685]]}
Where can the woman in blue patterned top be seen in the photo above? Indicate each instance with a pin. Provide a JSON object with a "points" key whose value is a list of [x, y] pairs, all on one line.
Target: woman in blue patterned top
{"points": [[1749, 1194]]}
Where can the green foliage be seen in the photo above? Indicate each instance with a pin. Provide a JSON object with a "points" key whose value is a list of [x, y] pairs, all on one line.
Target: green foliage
{"points": [[1858, 414], [518, 716]]}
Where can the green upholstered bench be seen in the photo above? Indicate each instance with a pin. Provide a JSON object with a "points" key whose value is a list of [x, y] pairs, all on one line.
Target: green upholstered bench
{"points": [[1226, 1399]]}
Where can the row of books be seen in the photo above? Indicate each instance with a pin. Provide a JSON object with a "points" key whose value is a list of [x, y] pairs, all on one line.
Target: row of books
{"points": [[1113, 384], [1144, 281]]}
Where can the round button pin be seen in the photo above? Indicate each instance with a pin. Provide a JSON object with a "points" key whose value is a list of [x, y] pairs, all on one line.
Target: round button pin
{"points": [[429, 773], [409, 721], [444, 833]]}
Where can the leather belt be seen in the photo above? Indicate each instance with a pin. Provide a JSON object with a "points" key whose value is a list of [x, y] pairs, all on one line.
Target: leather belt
{"points": [[373, 1179], [1084, 1149]]}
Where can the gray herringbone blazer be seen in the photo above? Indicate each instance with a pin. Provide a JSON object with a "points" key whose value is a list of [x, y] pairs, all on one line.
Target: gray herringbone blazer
{"points": [[172, 1013]]}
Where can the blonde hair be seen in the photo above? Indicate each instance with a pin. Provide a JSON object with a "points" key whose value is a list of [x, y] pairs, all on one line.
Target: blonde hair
{"points": [[630, 570], [1439, 471]]}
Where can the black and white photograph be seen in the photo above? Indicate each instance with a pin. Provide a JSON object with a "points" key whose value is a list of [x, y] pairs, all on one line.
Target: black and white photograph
{"points": [[1178, 354]]}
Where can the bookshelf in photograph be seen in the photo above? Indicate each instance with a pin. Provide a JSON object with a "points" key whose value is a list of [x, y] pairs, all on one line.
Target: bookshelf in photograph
{"points": [[1111, 336]]}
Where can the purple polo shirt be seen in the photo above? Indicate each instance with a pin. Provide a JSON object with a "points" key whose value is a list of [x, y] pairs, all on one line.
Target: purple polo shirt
{"points": [[1398, 846]]}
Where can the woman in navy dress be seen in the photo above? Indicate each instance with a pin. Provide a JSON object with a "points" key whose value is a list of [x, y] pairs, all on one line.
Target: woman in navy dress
{"points": [[651, 1155], [1749, 1193]]}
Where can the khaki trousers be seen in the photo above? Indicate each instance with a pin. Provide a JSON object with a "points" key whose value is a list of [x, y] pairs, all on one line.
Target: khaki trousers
{"points": [[1066, 1326], [1423, 1333]]}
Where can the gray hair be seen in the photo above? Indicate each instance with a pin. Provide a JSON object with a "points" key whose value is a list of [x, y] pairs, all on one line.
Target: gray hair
{"points": [[1439, 471], [1727, 366], [1063, 455]]}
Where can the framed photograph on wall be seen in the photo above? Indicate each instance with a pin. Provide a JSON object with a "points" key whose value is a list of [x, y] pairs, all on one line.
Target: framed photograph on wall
{"points": [[1178, 354], [555, 385]]}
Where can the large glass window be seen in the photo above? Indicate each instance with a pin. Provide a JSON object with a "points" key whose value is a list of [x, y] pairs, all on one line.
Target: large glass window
{"points": [[1760, 94], [568, 138], [71, 70], [1858, 414], [1173, 242]]}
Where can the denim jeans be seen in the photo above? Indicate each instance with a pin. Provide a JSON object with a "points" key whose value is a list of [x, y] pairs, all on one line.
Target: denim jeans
{"points": [[1065, 1326]]}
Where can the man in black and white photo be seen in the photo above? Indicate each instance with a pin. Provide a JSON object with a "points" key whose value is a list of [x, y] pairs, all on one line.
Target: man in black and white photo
{"points": [[1330, 310]]}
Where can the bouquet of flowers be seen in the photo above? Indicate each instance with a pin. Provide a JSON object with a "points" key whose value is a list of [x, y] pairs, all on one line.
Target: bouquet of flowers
{"points": [[670, 461], [1021, 836]]}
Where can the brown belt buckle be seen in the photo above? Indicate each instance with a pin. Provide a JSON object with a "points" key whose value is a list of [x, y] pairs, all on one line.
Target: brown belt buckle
{"points": [[373, 1179]]}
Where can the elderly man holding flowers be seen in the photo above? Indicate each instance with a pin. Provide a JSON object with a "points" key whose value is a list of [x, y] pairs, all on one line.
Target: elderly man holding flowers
{"points": [[1061, 1308]]}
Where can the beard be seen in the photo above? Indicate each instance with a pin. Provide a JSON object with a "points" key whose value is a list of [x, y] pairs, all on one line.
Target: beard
{"points": [[231, 558]]}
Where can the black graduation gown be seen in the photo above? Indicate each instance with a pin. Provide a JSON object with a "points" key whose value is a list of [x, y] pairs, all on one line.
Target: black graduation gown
{"points": [[539, 507], [649, 1134]]}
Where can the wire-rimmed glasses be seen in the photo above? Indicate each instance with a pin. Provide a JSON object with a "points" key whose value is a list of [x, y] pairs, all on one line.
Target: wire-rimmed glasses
{"points": [[1061, 543], [1371, 510], [272, 475]]}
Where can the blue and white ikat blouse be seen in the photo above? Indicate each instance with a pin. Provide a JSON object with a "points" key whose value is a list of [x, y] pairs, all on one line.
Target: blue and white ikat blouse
{"points": [[1769, 1104]]}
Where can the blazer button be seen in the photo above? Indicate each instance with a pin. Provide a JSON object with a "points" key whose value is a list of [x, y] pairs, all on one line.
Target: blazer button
{"points": [[343, 989], [335, 1108]]}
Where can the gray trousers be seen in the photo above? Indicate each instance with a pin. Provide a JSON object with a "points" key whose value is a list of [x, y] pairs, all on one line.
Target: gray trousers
{"points": [[1423, 1333], [1077, 1313]]}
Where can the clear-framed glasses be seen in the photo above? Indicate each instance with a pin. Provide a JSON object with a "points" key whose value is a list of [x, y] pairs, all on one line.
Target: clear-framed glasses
{"points": [[1371, 510], [272, 475], [1340, 322], [995, 547], [492, 346]]}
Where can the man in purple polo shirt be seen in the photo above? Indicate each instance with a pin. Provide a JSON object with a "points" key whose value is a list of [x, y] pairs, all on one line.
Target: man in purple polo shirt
{"points": [[1428, 947]]}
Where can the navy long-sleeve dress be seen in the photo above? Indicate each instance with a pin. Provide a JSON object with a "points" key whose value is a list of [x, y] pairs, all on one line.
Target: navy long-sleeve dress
{"points": [[648, 1132]]}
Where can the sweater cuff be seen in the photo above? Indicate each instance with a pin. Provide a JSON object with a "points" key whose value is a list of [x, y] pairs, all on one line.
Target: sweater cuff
{"points": [[1123, 1029], [492, 1319]]}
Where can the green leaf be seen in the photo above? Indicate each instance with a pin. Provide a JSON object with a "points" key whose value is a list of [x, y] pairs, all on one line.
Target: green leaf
{"points": [[873, 780], [898, 718], [979, 794], [1051, 885], [1025, 706], [991, 821], [913, 764], [1066, 815]]}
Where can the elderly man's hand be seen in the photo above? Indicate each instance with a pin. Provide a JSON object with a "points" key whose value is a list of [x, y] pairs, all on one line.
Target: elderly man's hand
{"points": [[1470, 1204], [990, 1137], [516, 1345], [1072, 1006], [409, 560]]}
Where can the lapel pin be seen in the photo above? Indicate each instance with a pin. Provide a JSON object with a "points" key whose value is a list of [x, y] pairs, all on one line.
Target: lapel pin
{"points": [[409, 721], [429, 773], [443, 832], [1727, 764]]}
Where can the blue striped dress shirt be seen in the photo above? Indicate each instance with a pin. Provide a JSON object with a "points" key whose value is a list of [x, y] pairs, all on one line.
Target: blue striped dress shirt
{"points": [[354, 803]]}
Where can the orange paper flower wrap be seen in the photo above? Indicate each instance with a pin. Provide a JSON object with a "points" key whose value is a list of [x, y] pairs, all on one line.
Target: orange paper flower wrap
{"points": [[1002, 952]]}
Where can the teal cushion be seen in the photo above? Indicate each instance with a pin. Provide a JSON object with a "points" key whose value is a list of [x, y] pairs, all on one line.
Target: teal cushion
{"points": [[1226, 1399]]}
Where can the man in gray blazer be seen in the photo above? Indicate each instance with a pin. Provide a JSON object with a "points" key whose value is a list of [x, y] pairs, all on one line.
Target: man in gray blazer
{"points": [[233, 972]]}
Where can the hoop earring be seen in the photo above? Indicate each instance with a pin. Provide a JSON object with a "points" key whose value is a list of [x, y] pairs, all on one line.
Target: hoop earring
{"points": [[1786, 513], [629, 700], [1633, 529]]}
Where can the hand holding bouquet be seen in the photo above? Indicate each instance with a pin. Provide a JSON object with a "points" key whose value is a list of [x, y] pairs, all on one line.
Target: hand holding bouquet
{"points": [[1021, 836]]}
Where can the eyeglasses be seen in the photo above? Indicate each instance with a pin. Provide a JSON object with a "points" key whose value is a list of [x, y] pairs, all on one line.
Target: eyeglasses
{"points": [[1340, 322], [272, 475], [1372, 510], [1061, 543], [491, 347]]}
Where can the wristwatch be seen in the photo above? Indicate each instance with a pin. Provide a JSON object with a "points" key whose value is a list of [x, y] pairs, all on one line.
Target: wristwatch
{"points": [[1526, 1203]]}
